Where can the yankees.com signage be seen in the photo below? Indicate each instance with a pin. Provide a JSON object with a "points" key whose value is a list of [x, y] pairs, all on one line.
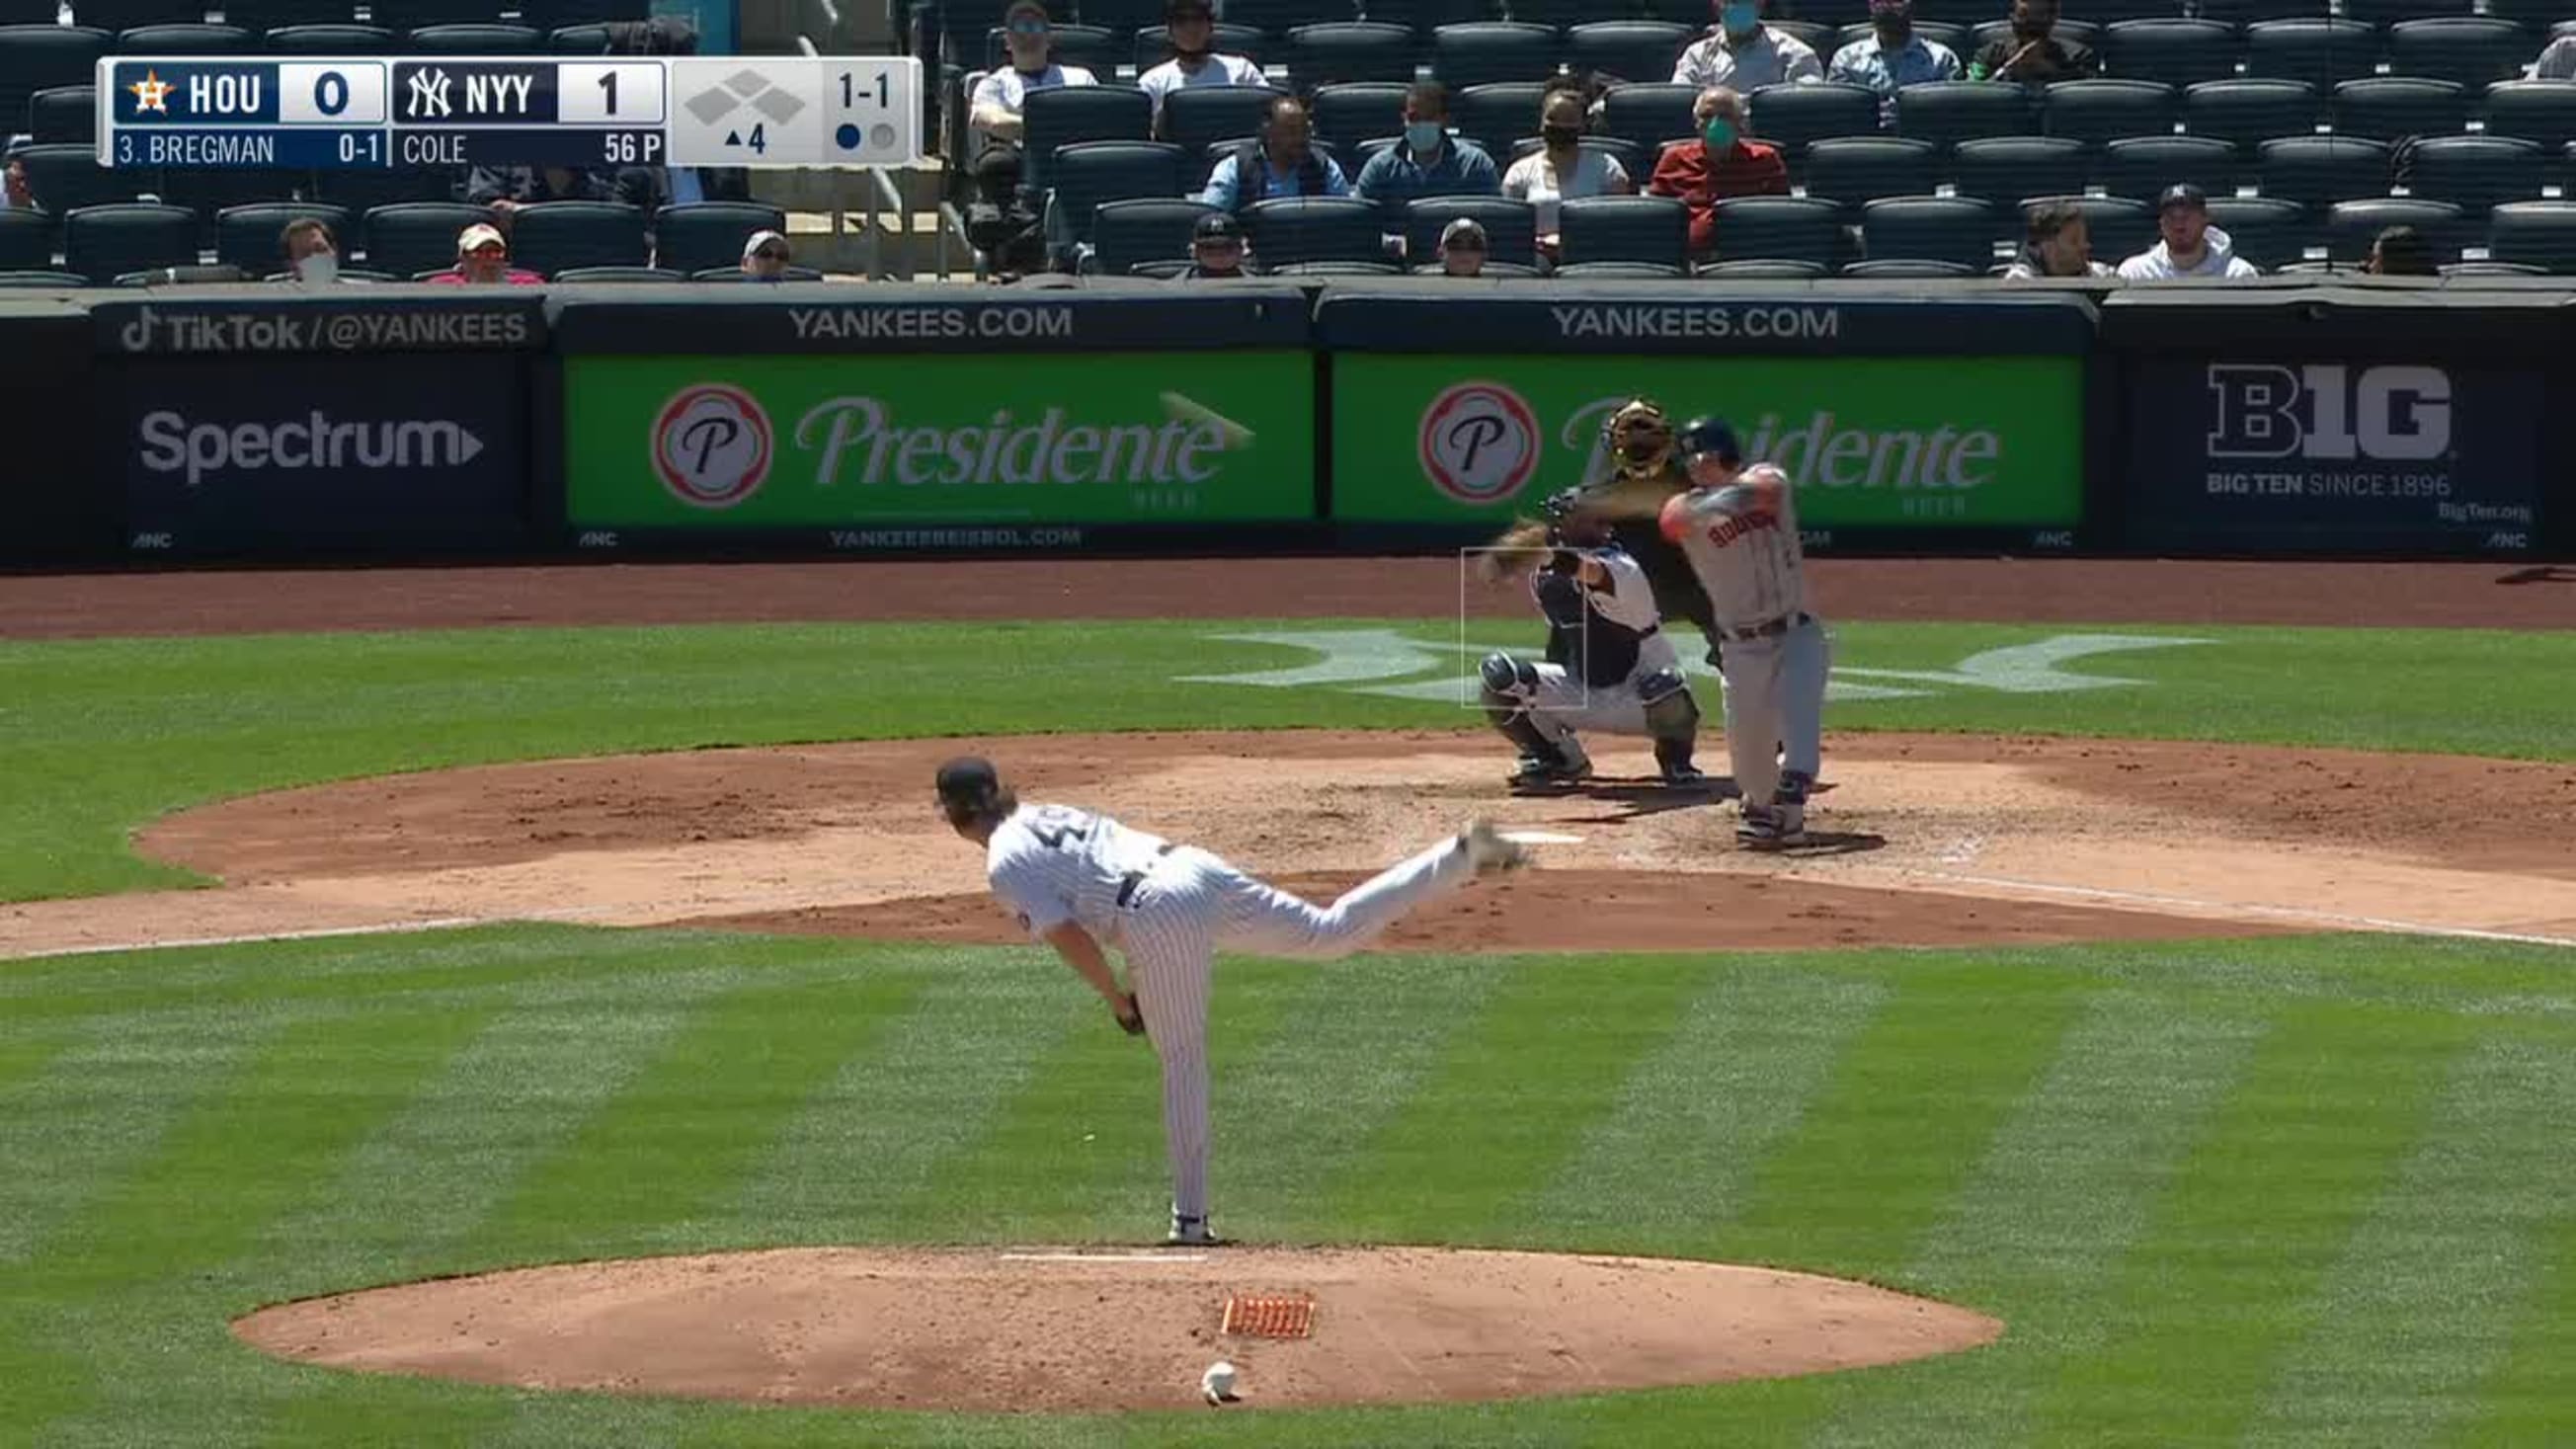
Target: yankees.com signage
{"points": [[1869, 442], [2335, 456], [843, 443], [385, 452]]}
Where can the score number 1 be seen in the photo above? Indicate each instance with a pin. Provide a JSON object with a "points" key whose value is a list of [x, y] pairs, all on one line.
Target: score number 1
{"points": [[849, 97]]}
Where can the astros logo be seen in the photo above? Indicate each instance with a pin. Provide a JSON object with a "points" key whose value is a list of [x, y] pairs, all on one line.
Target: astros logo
{"points": [[152, 93]]}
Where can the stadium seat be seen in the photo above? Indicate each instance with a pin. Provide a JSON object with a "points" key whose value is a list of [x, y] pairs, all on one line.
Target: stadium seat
{"points": [[185, 38], [26, 240], [2492, 269], [1815, 35], [2317, 50], [1120, 15], [41, 57], [2141, 167], [2385, 13], [1559, 13], [2534, 16], [1092, 172], [1948, 112], [1652, 229], [2535, 234], [2392, 108], [552, 15], [1314, 229], [2178, 53], [2318, 171], [417, 236], [420, 14], [2539, 110], [118, 15], [41, 279], [1126, 234], [2474, 173], [2118, 226], [700, 235], [1422, 16], [364, 191], [1624, 270], [1931, 228], [476, 40], [1511, 227], [1355, 157], [1193, 118], [331, 40], [63, 116], [1358, 111], [1279, 16], [1067, 114], [1794, 116], [1635, 161], [1338, 52], [2350, 226], [2474, 50], [1091, 47], [2002, 170], [1763, 269], [210, 191], [104, 243], [1851, 171], [1913, 269], [1780, 228], [617, 274], [735, 273], [262, 16], [577, 40], [1490, 52], [1627, 50], [2247, 113], [66, 178], [1337, 267], [1497, 114], [1647, 116], [553, 236], [1154, 45], [1693, 13], [251, 237], [2064, 32], [2264, 230], [2097, 112]]}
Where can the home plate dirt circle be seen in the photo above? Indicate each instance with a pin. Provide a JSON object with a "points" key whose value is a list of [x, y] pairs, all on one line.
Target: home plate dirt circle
{"points": [[1059, 1329]]}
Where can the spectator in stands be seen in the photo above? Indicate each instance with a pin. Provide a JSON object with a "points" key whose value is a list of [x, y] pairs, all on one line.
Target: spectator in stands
{"points": [[15, 193], [2030, 54], [483, 260], [1742, 52], [765, 256], [507, 188], [2400, 251], [2191, 246], [1719, 165], [1562, 168], [1463, 248], [1284, 162], [1428, 161], [2557, 60], [1893, 56], [2058, 243], [312, 252], [1002, 224], [1216, 249], [1195, 61]]}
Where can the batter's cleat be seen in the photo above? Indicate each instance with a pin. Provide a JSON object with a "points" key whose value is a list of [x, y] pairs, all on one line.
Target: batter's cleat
{"points": [[1791, 818], [1488, 851], [1192, 1233]]}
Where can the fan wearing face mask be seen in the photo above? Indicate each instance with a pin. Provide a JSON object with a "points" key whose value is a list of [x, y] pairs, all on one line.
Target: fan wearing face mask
{"points": [[1742, 52], [1191, 25], [1892, 56], [1428, 161], [312, 253], [2030, 54], [1720, 165]]}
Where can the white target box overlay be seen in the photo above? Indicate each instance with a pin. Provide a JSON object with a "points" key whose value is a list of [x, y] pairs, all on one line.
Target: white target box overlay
{"points": [[1470, 681]]}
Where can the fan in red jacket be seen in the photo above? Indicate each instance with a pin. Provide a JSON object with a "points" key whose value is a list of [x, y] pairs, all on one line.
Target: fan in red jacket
{"points": [[1721, 164]]}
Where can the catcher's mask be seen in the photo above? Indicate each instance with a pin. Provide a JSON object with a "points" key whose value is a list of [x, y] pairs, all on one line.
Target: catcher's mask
{"points": [[1569, 524], [1640, 438]]}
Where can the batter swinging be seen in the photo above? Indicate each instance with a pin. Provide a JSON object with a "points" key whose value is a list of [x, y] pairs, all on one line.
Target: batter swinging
{"points": [[1081, 881], [1739, 527]]}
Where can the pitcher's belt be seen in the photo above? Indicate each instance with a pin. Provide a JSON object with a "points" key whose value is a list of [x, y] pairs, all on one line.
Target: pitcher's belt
{"points": [[1127, 884], [1772, 630]]}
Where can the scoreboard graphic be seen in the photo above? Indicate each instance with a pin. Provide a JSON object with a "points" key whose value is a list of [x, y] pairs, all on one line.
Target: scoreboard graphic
{"points": [[753, 111]]}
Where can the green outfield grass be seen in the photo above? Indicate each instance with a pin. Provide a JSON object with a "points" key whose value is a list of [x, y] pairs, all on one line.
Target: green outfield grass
{"points": [[100, 737], [2278, 1192]]}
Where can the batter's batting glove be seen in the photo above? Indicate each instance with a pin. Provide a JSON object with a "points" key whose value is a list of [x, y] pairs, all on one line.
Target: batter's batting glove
{"points": [[1131, 1018]]}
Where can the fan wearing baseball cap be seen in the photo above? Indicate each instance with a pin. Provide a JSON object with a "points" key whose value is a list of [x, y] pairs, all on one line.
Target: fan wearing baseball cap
{"points": [[1190, 25], [483, 260], [2191, 247], [1216, 249]]}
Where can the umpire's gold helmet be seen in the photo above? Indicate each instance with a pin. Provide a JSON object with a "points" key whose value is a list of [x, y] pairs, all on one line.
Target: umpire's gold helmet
{"points": [[1639, 438]]}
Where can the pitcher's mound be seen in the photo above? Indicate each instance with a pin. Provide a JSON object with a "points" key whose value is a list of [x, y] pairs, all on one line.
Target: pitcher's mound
{"points": [[1060, 1329]]}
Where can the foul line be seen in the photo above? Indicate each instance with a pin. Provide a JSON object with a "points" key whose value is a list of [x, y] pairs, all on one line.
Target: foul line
{"points": [[2292, 913], [317, 933]]}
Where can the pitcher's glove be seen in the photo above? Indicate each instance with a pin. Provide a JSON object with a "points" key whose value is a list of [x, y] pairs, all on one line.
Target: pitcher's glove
{"points": [[1131, 1018]]}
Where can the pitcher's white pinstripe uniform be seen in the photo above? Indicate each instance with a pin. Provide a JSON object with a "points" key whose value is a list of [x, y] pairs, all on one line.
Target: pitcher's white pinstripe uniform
{"points": [[1168, 908]]}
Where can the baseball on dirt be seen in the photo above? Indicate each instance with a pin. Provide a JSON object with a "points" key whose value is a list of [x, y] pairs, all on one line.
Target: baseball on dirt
{"points": [[1218, 1382]]}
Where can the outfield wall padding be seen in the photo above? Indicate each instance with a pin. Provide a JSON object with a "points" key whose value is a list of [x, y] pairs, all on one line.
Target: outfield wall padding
{"points": [[51, 509]]}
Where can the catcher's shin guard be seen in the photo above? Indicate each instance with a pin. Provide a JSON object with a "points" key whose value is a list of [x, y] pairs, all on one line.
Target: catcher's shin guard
{"points": [[1672, 720], [1508, 688]]}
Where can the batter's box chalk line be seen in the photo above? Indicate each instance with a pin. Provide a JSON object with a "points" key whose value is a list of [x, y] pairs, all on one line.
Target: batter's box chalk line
{"points": [[1270, 1315]]}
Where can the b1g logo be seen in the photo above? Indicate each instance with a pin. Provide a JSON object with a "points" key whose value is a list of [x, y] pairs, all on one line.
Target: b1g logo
{"points": [[1479, 442], [2324, 412], [712, 445]]}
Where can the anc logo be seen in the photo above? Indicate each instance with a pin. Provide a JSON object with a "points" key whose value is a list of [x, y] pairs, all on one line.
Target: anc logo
{"points": [[712, 445], [1479, 442]]}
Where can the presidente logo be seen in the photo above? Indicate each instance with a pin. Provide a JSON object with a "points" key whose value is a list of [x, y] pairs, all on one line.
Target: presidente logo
{"points": [[712, 445], [1479, 442], [1823, 448]]}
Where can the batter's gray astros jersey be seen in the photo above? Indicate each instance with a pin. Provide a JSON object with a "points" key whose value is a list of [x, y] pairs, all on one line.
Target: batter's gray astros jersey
{"points": [[1742, 541], [1054, 863]]}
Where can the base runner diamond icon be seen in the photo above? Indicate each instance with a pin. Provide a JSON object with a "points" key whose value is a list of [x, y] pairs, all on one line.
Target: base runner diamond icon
{"points": [[731, 114]]}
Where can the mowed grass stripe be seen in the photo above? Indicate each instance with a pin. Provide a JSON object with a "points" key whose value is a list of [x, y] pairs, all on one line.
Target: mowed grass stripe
{"points": [[2410, 1321], [1748, 1050], [2067, 1184], [1076, 1151], [1505, 1108], [671, 1141], [2224, 1280], [177, 1248], [1913, 1101], [1354, 1048], [2530, 1396]]}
